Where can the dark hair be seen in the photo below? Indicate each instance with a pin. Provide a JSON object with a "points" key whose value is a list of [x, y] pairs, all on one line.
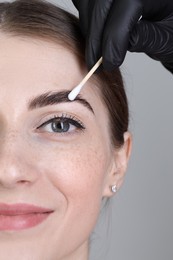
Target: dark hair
{"points": [[41, 19]]}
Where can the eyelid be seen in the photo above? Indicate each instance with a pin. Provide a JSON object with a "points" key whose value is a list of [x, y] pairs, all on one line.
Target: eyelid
{"points": [[61, 116]]}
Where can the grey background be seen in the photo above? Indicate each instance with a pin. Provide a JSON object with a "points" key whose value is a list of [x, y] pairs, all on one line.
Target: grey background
{"points": [[137, 225]]}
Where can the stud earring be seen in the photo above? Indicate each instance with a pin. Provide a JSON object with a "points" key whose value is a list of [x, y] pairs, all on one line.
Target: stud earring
{"points": [[114, 188]]}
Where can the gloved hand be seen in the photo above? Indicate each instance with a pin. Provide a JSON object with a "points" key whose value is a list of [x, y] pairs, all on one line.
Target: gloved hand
{"points": [[112, 27]]}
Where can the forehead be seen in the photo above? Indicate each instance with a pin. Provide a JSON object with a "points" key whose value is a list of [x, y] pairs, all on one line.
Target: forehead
{"points": [[30, 67], [37, 61]]}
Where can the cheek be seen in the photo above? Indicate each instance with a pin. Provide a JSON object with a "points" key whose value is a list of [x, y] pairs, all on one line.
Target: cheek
{"points": [[77, 171], [76, 174]]}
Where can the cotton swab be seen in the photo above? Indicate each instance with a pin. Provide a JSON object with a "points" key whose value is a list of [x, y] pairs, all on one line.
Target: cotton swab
{"points": [[73, 94]]}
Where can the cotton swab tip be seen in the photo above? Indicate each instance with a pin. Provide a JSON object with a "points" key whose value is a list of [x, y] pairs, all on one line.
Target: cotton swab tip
{"points": [[73, 94]]}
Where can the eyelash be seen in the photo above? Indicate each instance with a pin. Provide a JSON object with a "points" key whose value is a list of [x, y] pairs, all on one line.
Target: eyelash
{"points": [[64, 118]]}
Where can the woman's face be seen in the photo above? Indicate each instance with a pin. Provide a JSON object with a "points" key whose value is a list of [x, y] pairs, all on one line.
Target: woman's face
{"points": [[54, 154]]}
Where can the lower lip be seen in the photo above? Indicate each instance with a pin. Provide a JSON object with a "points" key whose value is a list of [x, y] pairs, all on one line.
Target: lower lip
{"points": [[20, 222]]}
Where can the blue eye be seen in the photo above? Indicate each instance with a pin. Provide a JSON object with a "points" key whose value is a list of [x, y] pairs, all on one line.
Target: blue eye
{"points": [[61, 125]]}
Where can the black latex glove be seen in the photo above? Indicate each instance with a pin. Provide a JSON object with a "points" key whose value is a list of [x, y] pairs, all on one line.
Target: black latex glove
{"points": [[111, 27]]}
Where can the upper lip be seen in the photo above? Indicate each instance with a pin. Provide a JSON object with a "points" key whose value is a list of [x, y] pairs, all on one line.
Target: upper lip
{"points": [[22, 209]]}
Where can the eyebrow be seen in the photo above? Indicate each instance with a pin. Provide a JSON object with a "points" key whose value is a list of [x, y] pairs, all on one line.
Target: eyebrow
{"points": [[54, 98]]}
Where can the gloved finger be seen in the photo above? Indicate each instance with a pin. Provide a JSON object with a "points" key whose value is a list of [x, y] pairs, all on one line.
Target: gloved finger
{"points": [[99, 11], [123, 16], [83, 7], [76, 3], [155, 39]]}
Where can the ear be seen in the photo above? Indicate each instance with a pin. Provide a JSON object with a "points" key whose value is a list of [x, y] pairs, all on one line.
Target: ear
{"points": [[119, 166]]}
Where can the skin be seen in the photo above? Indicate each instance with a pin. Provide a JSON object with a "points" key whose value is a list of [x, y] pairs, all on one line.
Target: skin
{"points": [[69, 173]]}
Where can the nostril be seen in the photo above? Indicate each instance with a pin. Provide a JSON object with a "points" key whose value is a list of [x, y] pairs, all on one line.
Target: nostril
{"points": [[23, 181]]}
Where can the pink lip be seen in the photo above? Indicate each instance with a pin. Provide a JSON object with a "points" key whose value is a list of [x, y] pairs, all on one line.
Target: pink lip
{"points": [[21, 216]]}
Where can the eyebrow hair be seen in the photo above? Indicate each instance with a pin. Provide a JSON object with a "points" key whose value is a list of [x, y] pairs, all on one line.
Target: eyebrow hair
{"points": [[53, 98]]}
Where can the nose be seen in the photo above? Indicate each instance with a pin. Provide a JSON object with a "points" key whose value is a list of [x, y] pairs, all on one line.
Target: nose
{"points": [[16, 164]]}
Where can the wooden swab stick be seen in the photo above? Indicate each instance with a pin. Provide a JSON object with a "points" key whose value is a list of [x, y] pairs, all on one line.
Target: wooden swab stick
{"points": [[73, 94]]}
